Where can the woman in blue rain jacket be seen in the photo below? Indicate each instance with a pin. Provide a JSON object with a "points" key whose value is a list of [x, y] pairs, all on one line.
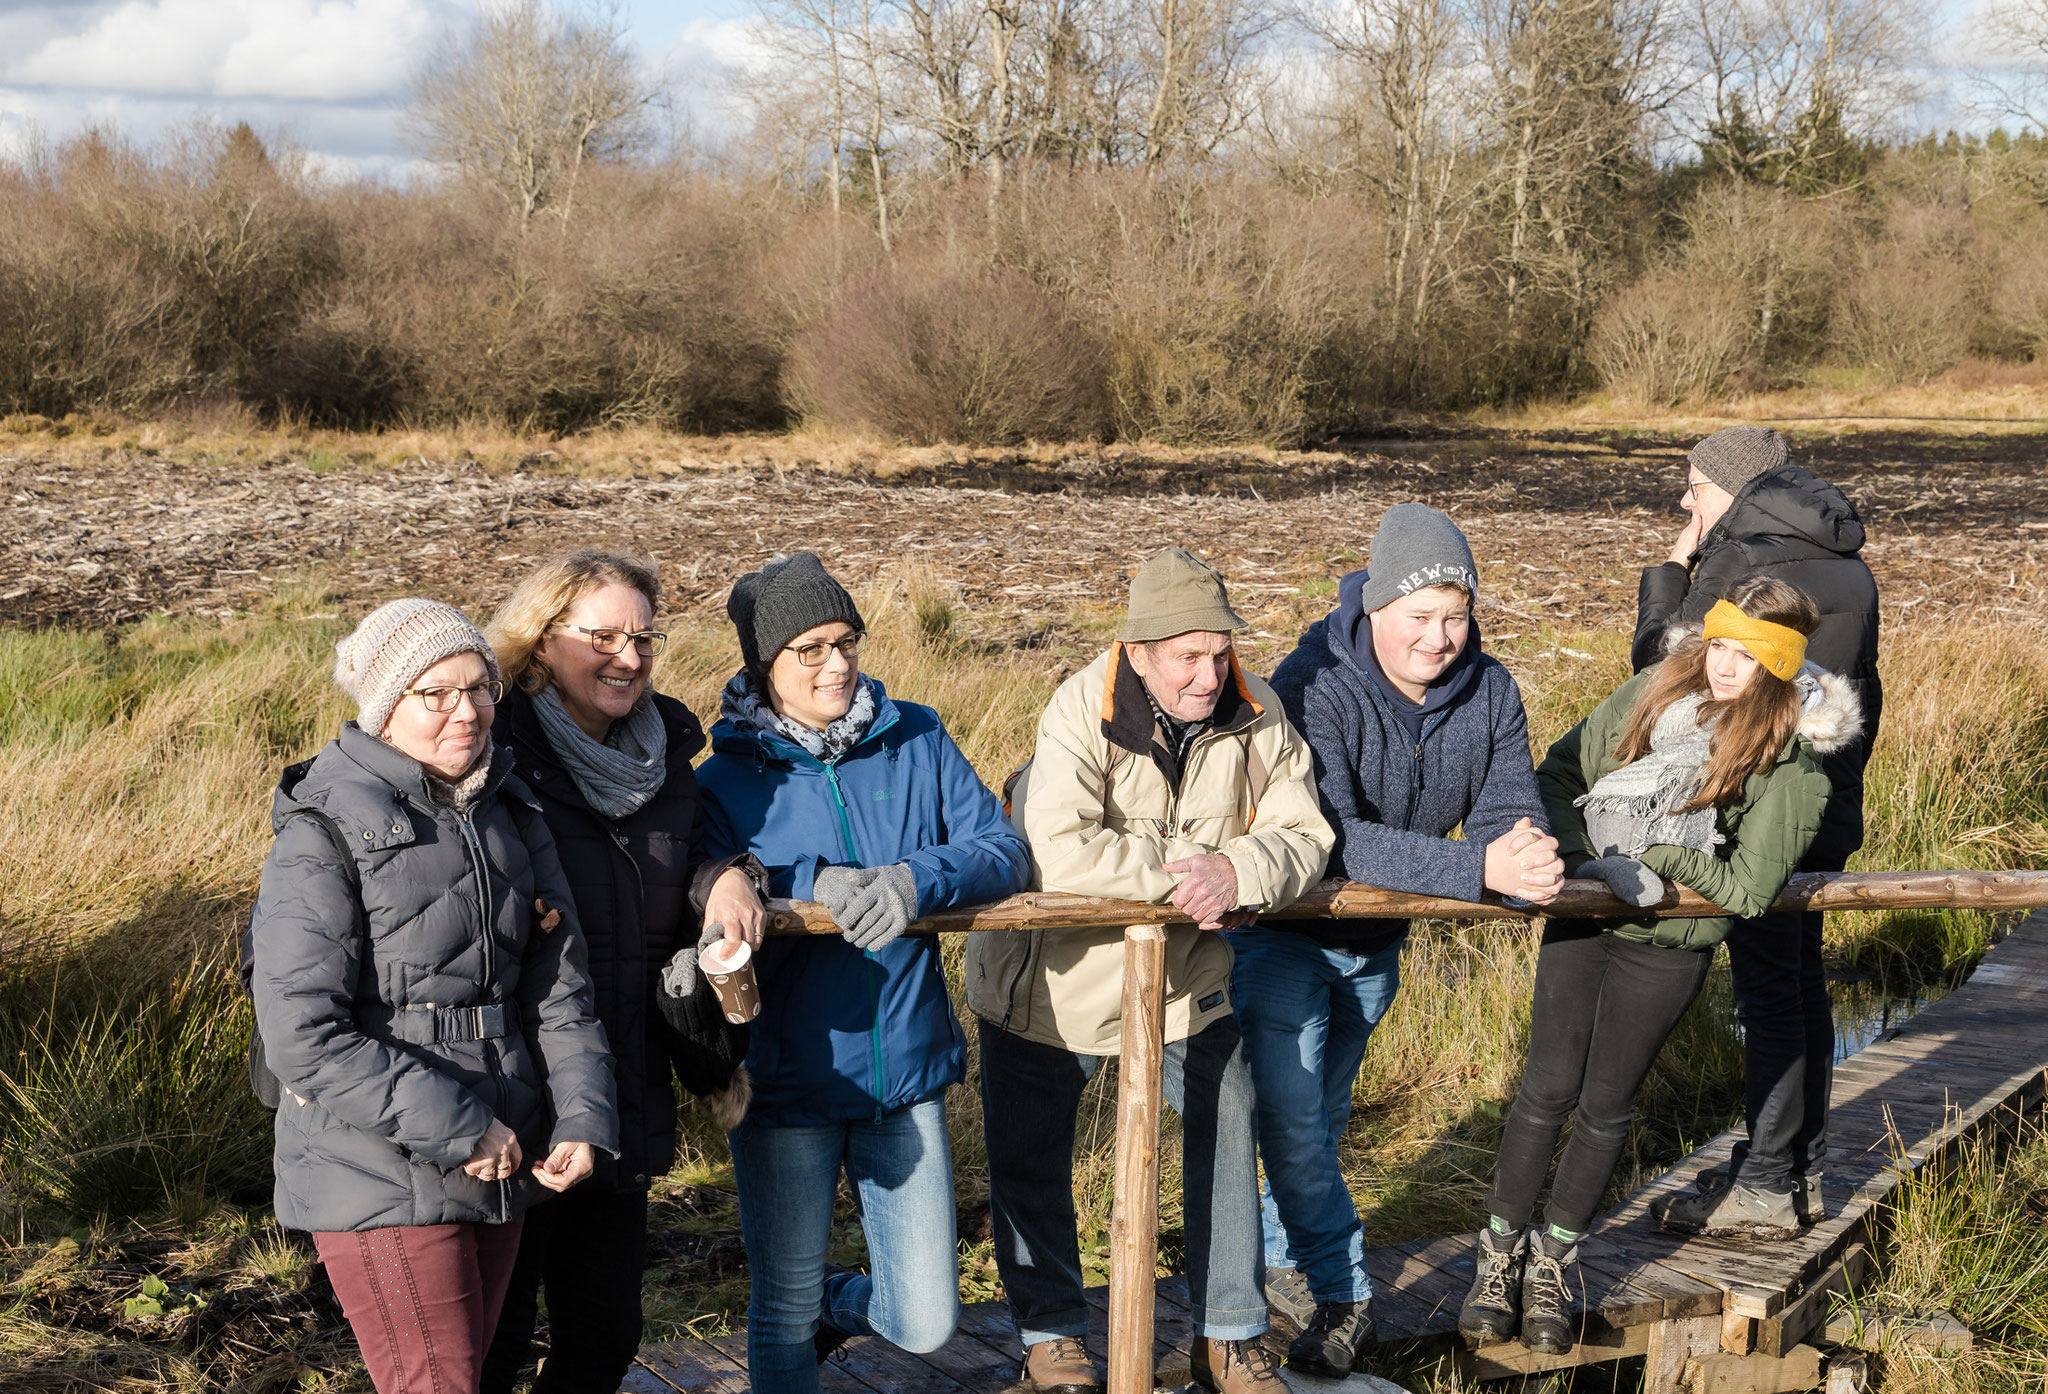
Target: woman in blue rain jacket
{"points": [[866, 805]]}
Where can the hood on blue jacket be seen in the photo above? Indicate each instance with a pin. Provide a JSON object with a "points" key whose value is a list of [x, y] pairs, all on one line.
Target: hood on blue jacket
{"points": [[1348, 631]]}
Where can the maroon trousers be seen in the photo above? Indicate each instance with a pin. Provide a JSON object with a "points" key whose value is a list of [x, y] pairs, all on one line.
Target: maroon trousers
{"points": [[423, 1299]]}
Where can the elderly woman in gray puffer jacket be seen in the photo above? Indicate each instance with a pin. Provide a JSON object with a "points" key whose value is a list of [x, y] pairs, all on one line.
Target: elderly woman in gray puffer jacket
{"points": [[423, 1001]]}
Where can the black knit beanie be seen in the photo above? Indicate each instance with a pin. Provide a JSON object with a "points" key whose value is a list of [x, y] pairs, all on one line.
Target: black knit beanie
{"points": [[783, 599]]}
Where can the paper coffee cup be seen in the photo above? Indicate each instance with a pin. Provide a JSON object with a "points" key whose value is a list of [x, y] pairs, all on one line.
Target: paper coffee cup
{"points": [[729, 964]]}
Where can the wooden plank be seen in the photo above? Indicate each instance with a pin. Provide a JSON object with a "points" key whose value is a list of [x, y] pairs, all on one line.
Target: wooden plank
{"points": [[834, 1376], [693, 1367], [1800, 1368], [1808, 1312], [1738, 1333], [1512, 1358], [1682, 1296], [1672, 1346], [1868, 1328]]}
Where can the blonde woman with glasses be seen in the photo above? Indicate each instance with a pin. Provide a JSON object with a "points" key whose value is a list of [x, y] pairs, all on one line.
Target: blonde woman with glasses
{"points": [[608, 758]]}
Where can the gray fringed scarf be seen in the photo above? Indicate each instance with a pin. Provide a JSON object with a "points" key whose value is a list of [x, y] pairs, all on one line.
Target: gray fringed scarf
{"points": [[746, 703], [624, 770], [1632, 808]]}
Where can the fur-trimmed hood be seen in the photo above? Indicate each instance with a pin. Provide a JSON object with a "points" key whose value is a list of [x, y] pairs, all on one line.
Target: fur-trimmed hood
{"points": [[1830, 712]]}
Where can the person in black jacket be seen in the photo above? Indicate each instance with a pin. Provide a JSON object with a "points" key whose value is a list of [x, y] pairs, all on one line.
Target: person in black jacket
{"points": [[419, 984], [609, 760], [1754, 513]]}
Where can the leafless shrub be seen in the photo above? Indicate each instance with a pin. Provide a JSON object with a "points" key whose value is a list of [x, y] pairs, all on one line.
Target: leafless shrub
{"points": [[1669, 338], [930, 353], [1907, 314], [1782, 252]]}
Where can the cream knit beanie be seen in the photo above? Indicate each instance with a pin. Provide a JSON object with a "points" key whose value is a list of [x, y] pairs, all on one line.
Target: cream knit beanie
{"points": [[394, 644]]}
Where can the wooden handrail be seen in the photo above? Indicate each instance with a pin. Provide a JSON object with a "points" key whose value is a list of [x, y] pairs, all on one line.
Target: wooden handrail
{"points": [[1349, 900]]}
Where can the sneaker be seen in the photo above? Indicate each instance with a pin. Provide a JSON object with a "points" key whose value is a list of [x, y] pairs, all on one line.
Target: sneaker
{"points": [[1730, 1210], [1288, 1295], [1236, 1367], [1060, 1366], [1807, 1201], [1335, 1337], [1493, 1308], [1547, 1326]]}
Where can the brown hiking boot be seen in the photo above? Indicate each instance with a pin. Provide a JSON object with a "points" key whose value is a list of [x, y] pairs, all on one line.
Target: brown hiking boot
{"points": [[1060, 1366], [1236, 1367]]}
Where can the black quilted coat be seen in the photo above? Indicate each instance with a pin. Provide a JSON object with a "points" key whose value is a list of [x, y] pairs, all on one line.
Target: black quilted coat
{"points": [[399, 1032], [640, 883]]}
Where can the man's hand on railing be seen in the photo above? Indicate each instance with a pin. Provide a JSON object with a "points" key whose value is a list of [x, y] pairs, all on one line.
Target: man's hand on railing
{"points": [[1207, 892]]}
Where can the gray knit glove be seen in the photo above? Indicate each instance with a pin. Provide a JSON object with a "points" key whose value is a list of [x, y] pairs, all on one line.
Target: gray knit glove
{"points": [[882, 911], [1627, 878], [679, 976], [836, 887]]}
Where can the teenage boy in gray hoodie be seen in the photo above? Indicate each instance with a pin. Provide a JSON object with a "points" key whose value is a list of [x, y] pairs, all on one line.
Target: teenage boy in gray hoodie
{"points": [[1414, 731]]}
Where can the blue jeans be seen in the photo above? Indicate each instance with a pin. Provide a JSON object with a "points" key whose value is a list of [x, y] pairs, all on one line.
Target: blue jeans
{"points": [[901, 1170], [1306, 1011], [1029, 1095]]}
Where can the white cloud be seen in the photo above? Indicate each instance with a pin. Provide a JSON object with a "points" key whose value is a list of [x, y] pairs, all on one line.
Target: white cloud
{"points": [[294, 50]]}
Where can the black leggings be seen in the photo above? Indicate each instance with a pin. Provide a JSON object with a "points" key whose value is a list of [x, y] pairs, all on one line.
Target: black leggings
{"points": [[1604, 1007]]}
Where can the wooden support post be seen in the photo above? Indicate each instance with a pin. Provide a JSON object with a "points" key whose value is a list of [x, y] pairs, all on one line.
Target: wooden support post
{"points": [[1134, 1210]]}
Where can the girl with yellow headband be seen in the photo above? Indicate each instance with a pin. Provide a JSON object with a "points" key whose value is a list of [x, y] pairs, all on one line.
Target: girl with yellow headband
{"points": [[1703, 770]]}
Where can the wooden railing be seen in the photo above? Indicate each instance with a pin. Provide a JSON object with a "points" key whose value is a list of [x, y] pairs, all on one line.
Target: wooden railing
{"points": [[1134, 1216]]}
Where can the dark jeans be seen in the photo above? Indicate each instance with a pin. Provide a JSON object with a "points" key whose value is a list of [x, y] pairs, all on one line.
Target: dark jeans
{"points": [[589, 1246], [1604, 1008], [1029, 1095], [1788, 1041]]}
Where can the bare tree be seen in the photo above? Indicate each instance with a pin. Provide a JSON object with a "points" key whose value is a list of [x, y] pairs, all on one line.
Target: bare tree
{"points": [[1791, 86], [526, 96], [2017, 87]]}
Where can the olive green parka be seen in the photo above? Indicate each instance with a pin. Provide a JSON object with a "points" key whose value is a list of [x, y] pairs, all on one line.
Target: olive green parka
{"points": [[1767, 828]]}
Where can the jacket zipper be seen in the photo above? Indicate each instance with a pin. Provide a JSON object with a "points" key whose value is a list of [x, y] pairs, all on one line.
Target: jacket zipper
{"points": [[483, 916], [874, 979]]}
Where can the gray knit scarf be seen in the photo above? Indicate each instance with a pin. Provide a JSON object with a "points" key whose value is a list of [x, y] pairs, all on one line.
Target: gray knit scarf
{"points": [[745, 702], [619, 773], [459, 794], [1632, 808]]}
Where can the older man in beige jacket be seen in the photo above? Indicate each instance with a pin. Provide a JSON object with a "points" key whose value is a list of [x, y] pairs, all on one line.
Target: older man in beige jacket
{"points": [[1163, 773]]}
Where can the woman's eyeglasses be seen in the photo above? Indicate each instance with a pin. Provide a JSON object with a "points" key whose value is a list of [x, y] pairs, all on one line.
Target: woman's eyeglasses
{"points": [[646, 642], [813, 655], [447, 699]]}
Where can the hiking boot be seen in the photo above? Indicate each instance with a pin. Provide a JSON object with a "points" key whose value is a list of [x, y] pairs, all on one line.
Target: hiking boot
{"points": [[1730, 1210], [1335, 1337], [828, 1339], [1288, 1295], [1547, 1282], [1061, 1366], [1493, 1308], [1236, 1367], [1806, 1197]]}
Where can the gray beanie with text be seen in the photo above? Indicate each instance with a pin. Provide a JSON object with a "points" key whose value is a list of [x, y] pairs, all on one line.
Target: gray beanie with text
{"points": [[1415, 548]]}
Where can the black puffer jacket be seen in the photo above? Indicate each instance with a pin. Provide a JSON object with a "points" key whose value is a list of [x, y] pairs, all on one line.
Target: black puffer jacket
{"points": [[640, 883], [400, 1034], [1795, 526]]}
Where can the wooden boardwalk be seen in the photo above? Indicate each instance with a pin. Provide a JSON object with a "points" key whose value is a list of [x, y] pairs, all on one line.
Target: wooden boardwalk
{"points": [[1723, 1314]]}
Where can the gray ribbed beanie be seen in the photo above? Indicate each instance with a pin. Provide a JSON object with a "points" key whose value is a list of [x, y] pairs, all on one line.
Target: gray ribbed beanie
{"points": [[1732, 458], [789, 595], [394, 644], [1416, 547]]}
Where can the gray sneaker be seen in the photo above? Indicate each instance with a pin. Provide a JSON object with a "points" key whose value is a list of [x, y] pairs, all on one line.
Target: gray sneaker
{"points": [[1731, 1210], [1288, 1295], [1806, 1200]]}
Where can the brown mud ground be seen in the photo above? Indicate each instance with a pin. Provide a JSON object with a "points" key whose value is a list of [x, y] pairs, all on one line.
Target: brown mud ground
{"points": [[1561, 526]]}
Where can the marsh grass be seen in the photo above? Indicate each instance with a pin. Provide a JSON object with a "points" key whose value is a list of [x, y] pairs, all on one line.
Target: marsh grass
{"points": [[135, 772]]}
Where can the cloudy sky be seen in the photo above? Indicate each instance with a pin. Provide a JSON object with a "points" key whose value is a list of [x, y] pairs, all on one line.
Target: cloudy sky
{"points": [[330, 74]]}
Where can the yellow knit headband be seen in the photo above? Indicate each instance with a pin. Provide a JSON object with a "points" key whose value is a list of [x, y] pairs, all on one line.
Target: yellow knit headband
{"points": [[1779, 648]]}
